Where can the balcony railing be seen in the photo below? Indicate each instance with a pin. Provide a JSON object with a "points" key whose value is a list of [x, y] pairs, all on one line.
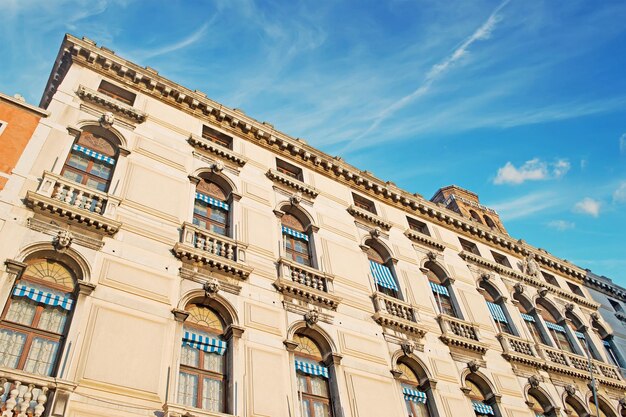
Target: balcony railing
{"points": [[215, 251], [306, 283], [397, 314], [76, 202], [519, 350], [460, 333]]}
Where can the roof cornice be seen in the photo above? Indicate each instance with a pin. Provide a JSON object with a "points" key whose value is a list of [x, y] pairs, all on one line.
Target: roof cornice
{"points": [[24, 105], [148, 81]]}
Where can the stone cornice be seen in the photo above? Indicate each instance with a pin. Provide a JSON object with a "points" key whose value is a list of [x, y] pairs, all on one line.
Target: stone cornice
{"points": [[111, 104], [293, 183], [369, 217], [608, 288], [199, 142], [23, 104], [84, 52], [424, 240]]}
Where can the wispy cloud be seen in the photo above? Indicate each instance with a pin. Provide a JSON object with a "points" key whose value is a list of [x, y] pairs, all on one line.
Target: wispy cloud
{"points": [[532, 170], [526, 205], [561, 225], [189, 40], [622, 143], [619, 195], [588, 206]]}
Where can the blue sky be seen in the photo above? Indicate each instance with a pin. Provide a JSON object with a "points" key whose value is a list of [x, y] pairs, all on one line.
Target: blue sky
{"points": [[522, 102]]}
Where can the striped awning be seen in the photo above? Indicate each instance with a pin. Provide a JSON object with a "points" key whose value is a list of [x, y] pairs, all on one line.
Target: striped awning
{"points": [[414, 395], [211, 201], [440, 289], [94, 154], [295, 233], [528, 317], [556, 327], [482, 408], [606, 343], [580, 335], [204, 343], [44, 297], [496, 312], [311, 369], [383, 276]]}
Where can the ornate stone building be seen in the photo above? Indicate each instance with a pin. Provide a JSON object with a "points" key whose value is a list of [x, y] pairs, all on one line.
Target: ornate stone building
{"points": [[168, 256]]}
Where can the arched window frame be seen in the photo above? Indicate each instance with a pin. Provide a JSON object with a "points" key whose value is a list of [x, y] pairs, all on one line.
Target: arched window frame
{"points": [[576, 407], [496, 304], [416, 388], [558, 329], [475, 216], [382, 269], [583, 337], [532, 320], [540, 403], [297, 238], [484, 401], [213, 204], [441, 288], [613, 354], [603, 405]]}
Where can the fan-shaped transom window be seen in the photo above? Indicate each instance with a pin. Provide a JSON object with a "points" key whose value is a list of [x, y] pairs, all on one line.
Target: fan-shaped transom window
{"points": [[36, 318], [91, 161], [477, 397], [536, 406], [211, 207], [313, 378], [415, 400], [602, 412], [203, 368], [296, 240]]}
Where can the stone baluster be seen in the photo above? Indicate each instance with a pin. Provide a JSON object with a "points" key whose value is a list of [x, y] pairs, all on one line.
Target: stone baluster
{"points": [[98, 206], [25, 401], [41, 401], [69, 193], [78, 201], [11, 402]]}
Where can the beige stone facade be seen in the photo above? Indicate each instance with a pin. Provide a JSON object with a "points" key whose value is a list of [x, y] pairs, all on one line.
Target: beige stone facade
{"points": [[150, 217]]}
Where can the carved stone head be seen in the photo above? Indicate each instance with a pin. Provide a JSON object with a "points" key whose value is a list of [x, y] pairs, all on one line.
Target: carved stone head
{"points": [[217, 167], [311, 317], [519, 288], [432, 256], [569, 306], [407, 347], [296, 198], [63, 240], [534, 381], [473, 366], [107, 120], [543, 291], [376, 232], [595, 316], [570, 390], [211, 288], [486, 275]]}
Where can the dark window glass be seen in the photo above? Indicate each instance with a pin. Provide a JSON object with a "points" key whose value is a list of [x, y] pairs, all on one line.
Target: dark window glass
{"points": [[217, 137], [289, 170], [364, 203], [117, 93]]}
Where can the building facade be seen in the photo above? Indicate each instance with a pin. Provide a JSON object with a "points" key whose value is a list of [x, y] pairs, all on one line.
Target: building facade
{"points": [[166, 255]]}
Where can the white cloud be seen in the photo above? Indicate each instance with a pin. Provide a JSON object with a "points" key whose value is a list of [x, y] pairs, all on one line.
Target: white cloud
{"points": [[619, 195], [526, 205], [588, 206], [533, 170], [622, 143], [561, 225]]}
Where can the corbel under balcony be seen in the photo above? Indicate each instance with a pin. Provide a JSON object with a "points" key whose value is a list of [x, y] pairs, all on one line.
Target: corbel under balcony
{"points": [[109, 103], [371, 218], [283, 179], [215, 251], [457, 332], [424, 240], [75, 203], [306, 283], [397, 314], [203, 144]]}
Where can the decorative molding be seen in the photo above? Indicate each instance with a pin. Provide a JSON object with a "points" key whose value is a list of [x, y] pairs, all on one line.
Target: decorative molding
{"points": [[206, 145], [285, 180], [52, 229], [203, 277], [112, 105], [362, 214]]}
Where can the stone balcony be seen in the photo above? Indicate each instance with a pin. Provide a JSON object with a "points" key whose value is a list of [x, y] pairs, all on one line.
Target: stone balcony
{"points": [[520, 350], [457, 332], [213, 250], [397, 314], [178, 410], [201, 143], [112, 105], [75, 203], [304, 188], [28, 395], [368, 217], [306, 283]]}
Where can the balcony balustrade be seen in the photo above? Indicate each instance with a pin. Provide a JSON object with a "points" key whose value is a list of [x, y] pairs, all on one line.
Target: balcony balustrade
{"points": [[76, 202], [397, 314], [306, 283], [213, 250], [460, 333]]}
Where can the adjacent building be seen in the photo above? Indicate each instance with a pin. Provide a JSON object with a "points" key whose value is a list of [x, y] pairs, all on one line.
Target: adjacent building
{"points": [[166, 255]]}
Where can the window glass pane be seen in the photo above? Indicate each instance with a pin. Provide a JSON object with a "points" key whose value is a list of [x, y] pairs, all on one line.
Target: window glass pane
{"points": [[212, 395], [218, 215], [301, 260], [213, 362], [319, 387], [306, 408], [302, 387], [301, 247], [96, 184], [22, 311], [53, 319], [78, 161], [11, 344], [190, 356], [187, 389], [101, 170], [289, 243], [41, 356], [321, 409], [200, 208], [199, 222], [220, 230], [73, 176]]}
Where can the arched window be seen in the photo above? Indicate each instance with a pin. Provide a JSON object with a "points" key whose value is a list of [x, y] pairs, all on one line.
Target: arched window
{"points": [[531, 319], [489, 222], [478, 396], [556, 330], [613, 354], [583, 337], [475, 216], [313, 387], [575, 408], [211, 207], [439, 285], [381, 268], [415, 398], [540, 404], [497, 308], [604, 409], [296, 238], [203, 369], [36, 318], [92, 159]]}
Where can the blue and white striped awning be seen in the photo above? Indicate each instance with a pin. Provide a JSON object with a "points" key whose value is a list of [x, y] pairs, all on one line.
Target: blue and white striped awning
{"points": [[295, 233], [496, 312], [204, 343], [606, 343], [556, 327], [580, 335], [94, 154], [44, 297], [440, 289], [311, 369], [482, 408], [211, 201], [528, 317], [383, 276], [414, 395]]}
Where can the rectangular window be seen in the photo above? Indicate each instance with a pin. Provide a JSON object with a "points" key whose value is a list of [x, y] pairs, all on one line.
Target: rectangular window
{"points": [[501, 259], [118, 93], [616, 306], [575, 289], [550, 279], [469, 246], [3, 126], [364, 203], [289, 170], [215, 136], [418, 226]]}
